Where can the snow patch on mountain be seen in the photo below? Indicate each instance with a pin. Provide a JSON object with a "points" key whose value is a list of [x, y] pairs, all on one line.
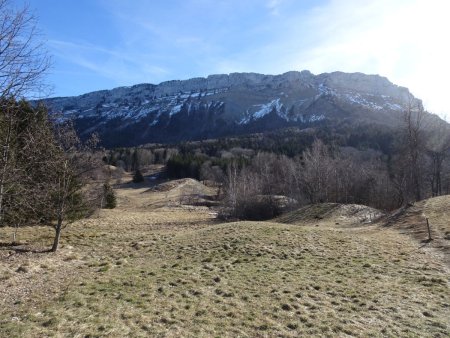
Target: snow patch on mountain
{"points": [[382, 102], [325, 90], [360, 99], [134, 108], [267, 108], [393, 106], [176, 109], [263, 110], [316, 118]]}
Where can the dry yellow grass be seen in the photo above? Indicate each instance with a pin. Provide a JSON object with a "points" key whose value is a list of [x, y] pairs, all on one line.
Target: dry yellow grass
{"points": [[153, 267], [437, 210]]}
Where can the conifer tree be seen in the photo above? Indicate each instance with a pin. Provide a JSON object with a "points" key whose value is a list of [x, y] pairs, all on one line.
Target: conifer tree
{"points": [[137, 177]]}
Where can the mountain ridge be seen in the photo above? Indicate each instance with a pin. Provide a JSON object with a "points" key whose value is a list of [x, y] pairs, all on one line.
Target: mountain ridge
{"points": [[224, 105], [218, 78]]}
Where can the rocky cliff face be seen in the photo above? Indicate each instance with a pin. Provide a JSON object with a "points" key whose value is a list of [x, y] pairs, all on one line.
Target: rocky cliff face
{"points": [[223, 105]]}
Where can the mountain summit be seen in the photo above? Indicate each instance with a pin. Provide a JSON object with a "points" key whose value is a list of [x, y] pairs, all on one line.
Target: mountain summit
{"points": [[225, 105]]}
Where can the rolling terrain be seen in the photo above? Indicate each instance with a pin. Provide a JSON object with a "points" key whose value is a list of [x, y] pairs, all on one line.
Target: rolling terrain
{"points": [[158, 265]]}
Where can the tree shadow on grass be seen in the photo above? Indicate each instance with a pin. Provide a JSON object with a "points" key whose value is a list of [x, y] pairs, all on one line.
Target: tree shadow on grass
{"points": [[22, 248]]}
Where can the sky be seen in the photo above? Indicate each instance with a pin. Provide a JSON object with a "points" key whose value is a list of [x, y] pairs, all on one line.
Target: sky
{"points": [[102, 44]]}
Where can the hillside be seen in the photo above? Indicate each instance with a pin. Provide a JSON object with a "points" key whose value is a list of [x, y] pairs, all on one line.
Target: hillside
{"points": [[412, 221], [157, 266], [238, 103]]}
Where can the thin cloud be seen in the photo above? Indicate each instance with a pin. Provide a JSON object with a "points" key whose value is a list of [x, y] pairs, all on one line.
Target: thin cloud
{"points": [[403, 40], [116, 65], [273, 6]]}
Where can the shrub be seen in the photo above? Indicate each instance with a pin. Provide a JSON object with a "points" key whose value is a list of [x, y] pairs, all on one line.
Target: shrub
{"points": [[253, 209], [257, 209]]}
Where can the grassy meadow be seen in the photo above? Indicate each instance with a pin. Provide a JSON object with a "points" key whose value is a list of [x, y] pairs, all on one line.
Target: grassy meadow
{"points": [[153, 267]]}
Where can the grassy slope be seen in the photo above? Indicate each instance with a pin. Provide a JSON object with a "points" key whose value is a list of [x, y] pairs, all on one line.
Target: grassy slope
{"points": [[174, 272], [412, 222]]}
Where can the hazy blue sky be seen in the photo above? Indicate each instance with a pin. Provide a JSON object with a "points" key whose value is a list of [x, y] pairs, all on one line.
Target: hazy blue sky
{"points": [[101, 44]]}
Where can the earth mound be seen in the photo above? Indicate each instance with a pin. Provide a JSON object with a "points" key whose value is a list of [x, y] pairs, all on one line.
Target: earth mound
{"points": [[332, 214]]}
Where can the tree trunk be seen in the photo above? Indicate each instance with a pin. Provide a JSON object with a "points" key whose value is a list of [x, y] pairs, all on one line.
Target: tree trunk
{"points": [[57, 235], [417, 190], [439, 160], [5, 159], [16, 227]]}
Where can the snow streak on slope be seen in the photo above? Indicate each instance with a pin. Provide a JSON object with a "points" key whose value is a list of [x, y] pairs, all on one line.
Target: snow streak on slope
{"points": [[133, 109], [263, 110]]}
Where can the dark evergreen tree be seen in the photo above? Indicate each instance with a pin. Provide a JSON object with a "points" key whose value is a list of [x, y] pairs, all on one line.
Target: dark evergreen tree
{"points": [[137, 177], [135, 160]]}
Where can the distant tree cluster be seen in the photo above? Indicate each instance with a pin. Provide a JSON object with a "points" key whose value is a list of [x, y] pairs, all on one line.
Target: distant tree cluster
{"points": [[131, 159], [202, 167]]}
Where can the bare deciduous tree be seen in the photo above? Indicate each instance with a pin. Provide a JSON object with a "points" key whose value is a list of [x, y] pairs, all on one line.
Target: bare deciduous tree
{"points": [[232, 186], [23, 64], [71, 197], [316, 171], [413, 118], [437, 148], [23, 58]]}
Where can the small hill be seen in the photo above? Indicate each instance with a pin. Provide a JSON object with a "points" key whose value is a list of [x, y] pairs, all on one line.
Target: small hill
{"points": [[331, 214], [412, 221], [183, 184], [152, 195], [187, 191]]}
